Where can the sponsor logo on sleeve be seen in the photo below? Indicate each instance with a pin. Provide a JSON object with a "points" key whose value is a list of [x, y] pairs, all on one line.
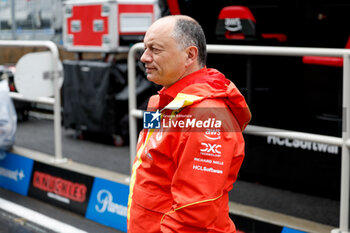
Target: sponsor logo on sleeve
{"points": [[210, 149], [212, 134], [207, 169]]}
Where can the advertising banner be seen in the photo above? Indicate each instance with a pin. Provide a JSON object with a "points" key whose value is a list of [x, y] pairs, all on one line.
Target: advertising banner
{"points": [[108, 203], [15, 172], [60, 187]]}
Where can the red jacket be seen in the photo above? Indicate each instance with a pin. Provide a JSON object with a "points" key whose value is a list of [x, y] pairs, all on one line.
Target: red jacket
{"points": [[182, 173]]}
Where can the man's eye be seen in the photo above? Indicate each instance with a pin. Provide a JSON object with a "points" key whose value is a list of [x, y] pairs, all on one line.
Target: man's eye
{"points": [[155, 50]]}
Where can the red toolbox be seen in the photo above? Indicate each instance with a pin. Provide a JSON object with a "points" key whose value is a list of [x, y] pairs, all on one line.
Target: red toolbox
{"points": [[106, 25]]}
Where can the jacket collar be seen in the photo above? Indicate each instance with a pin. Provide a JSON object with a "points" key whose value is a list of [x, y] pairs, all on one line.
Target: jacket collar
{"points": [[177, 87]]}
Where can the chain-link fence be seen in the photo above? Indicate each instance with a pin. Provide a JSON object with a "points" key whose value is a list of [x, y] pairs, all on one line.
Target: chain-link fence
{"points": [[31, 20]]}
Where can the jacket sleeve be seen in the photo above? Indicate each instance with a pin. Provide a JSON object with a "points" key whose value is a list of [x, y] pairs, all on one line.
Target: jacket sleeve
{"points": [[208, 162]]}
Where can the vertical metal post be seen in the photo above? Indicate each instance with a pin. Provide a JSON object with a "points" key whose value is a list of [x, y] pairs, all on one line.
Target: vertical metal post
{"points": [[13, 20], [345, 161], [57, 105]]}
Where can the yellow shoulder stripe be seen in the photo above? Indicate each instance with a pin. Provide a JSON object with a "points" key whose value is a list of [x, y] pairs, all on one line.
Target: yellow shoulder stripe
{"points": [[182, 100]]}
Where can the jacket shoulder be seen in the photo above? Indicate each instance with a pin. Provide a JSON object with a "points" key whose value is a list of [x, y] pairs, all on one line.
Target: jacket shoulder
{"points": [[153, 103], [214, 110]]}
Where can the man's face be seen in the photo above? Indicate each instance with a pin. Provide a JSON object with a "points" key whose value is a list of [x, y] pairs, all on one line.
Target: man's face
{"points": [[165, 63]]}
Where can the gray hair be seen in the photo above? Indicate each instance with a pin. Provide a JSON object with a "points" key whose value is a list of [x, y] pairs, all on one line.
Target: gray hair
{"points": [[188, 32]]}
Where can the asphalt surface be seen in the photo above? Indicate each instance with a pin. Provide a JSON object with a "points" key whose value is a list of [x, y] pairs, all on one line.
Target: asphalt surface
{"points": [[37, 134], [10, 223]]}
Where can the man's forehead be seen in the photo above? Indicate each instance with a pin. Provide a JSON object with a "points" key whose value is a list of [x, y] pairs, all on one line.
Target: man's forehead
{"points": [[166, 22], [160, 28], [159, 37]]}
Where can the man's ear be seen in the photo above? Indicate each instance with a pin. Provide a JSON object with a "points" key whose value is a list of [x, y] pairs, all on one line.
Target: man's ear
{"points": [[192, 55]]}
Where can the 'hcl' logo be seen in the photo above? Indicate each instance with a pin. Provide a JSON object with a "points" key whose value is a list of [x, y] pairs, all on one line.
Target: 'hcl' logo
{"points": [[151, 120]]}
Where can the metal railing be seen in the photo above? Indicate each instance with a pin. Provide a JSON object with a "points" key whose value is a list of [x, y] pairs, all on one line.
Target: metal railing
{"points": [[56, 101], [344, 142]]}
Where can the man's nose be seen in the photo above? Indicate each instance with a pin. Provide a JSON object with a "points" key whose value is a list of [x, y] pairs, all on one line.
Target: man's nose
{"points": [[146, 57]]}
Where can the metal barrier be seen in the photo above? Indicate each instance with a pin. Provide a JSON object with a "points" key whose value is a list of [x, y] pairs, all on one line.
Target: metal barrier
{"points": [[344, 142], [56, 102]]}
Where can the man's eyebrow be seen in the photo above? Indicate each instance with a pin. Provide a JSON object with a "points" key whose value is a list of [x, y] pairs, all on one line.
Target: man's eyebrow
{"points": [[154, 44]]}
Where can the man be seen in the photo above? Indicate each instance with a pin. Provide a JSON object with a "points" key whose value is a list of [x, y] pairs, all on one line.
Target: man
{"points": [[182, 172]]}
